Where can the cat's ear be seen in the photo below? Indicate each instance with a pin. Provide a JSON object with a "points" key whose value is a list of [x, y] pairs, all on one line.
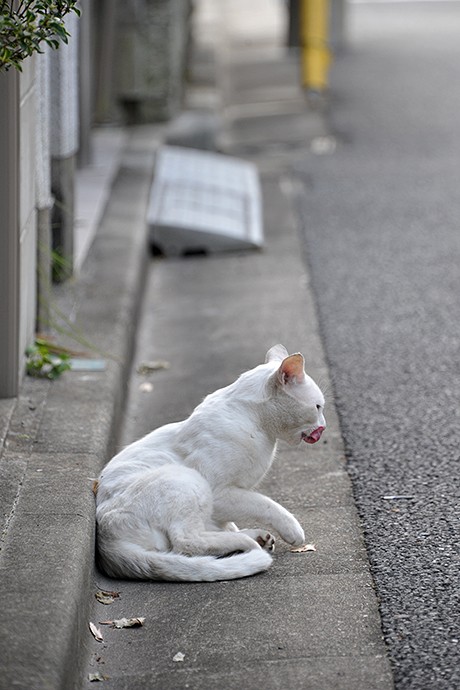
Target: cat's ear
{"points": [[276, 354], [291, 370]]}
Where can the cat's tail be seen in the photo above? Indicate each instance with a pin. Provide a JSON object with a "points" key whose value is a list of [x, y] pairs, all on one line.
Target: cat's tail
{"points": [[127, 560]]}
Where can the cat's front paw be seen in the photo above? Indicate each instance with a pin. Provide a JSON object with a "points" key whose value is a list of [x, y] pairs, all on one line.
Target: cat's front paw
{"points": [[294, 534]]}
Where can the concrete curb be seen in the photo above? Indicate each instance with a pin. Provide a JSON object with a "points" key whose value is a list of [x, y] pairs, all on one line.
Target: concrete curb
{"points": [[60, 434]]}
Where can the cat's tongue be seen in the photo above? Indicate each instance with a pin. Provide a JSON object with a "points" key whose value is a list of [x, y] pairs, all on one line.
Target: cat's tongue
{"points": [[314, 436]]}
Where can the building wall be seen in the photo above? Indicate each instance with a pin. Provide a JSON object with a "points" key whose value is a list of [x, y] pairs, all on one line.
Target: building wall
{"points": [[18, 242], [9, 233], [38, 130]]}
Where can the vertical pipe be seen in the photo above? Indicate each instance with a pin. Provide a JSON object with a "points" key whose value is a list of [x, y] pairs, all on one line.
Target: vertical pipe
{"points": [[106, 29], [315, 53], [85, 77], [293, 33], [44, 200], [64, 146]]}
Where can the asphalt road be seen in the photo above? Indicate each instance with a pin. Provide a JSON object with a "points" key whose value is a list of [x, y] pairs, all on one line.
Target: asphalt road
{"points": [[381, 220]]}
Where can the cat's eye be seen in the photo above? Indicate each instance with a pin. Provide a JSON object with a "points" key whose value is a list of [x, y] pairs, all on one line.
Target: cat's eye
{"points": [[318, 407]]}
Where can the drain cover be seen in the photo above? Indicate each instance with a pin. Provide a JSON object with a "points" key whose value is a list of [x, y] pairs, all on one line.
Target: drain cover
{"points": [[202, 201]]}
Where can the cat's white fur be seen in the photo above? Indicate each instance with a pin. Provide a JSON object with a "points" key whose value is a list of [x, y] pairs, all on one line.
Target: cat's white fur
{"points": [[167, 504]]}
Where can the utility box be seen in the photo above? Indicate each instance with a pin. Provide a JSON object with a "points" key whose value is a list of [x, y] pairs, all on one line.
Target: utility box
{"points": [[204, 202]]}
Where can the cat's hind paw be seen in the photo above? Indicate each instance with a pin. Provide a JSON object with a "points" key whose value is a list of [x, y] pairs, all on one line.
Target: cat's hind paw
{"points": [[265, 540]]}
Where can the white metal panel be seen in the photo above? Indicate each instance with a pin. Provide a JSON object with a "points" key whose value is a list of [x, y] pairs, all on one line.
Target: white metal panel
{"points": [[203, 200]]}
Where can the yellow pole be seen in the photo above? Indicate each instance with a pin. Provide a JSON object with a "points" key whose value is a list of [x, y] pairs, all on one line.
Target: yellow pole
{"points": [[314, 34]]}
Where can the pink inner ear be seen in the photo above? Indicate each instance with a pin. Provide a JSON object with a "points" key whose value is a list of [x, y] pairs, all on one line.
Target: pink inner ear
{"points": [[292, 369]]}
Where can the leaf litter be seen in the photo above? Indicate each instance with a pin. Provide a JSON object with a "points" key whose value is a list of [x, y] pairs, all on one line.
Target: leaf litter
{"points": [[154, 365], [106, 598], [94, 677], [96, 633], [303, 549], [124, 622]]}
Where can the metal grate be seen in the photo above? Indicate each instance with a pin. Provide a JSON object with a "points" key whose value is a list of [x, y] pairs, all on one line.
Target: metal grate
{"points": [[204, 201]]}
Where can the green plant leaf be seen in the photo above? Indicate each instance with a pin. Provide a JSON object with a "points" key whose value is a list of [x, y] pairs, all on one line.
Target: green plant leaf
{"points": [[42, 363], [24, 25]]}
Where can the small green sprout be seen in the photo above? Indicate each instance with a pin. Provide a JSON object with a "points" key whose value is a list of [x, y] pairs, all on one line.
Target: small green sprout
{"points": [[42, 362]]}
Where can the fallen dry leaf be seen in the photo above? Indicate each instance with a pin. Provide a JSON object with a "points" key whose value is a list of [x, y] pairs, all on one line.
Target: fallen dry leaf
{"points": [[125, 622], [94, 677], [96, 632], [155, 365], [95, 486], [179, 656], [106, 597], [304, 548]]}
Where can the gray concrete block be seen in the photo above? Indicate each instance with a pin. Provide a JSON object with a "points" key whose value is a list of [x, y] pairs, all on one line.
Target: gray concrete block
{"points": [[328, 624], [43, 614], [322, 673]]}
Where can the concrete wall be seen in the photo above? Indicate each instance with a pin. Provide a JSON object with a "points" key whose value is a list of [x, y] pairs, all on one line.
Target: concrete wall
{"points": [[9, 234], [18, 246]]}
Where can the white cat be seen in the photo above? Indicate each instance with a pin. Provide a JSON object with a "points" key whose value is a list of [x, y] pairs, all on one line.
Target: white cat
{"points": [[166, 504]]}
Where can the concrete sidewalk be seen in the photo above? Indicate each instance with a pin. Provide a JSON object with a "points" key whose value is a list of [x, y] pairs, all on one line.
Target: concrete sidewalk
{"points": [[317, 612]]}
